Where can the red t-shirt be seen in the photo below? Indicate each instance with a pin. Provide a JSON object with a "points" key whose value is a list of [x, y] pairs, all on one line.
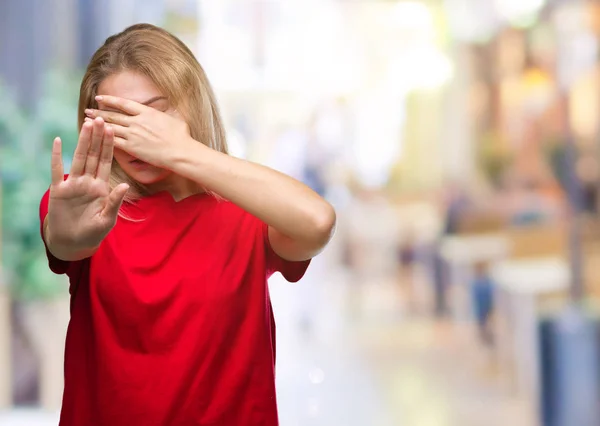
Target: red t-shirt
{"points": [[171, 320]]}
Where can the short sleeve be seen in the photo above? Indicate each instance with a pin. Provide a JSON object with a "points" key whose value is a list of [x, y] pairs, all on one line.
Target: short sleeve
{"points": [[56, 265], [291, 271]]}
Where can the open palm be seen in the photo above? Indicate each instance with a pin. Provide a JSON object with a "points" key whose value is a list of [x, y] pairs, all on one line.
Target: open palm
{"points": [[82, 208]]}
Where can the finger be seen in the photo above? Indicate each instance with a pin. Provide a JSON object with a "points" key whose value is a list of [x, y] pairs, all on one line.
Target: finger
{"points": [[81, 151], [120, 131], [57, 162], [109, 116], [93, 155], [125, 105], [106, 156], [120, 143], [115, 200]]}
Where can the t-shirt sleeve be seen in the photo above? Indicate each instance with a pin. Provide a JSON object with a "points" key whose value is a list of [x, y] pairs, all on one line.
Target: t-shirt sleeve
{"points": [[56, 265], [291, 271]]}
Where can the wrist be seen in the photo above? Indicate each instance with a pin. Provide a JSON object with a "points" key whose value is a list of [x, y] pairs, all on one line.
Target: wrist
{"points": [[189, 159], [66, 249]]}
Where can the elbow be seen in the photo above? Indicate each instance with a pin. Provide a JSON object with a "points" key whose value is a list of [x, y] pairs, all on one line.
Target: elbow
{"points": [[306, 238], [324, 222]]}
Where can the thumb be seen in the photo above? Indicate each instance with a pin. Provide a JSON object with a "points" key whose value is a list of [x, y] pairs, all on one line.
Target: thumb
{"points": [[115, 199]]}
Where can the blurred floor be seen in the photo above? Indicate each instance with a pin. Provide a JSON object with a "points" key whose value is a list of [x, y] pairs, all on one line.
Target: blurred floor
{"points": [[28, 417], [385, 368], [370, 366]]}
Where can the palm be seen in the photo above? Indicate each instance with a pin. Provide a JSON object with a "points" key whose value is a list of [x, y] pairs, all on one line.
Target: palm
{"points": [[82, 209], [82, 199]]}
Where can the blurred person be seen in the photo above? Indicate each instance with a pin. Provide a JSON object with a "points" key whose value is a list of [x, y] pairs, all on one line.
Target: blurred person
{"points": [[440, 282], [168, 243], [407, 254], [407, 259], [314, 177], [482, 295], [588, 172], [455, 205]]}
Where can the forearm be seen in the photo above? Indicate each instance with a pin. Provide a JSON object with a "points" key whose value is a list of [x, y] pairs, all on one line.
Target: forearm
{"points": [[280, 201], [66, 251]]}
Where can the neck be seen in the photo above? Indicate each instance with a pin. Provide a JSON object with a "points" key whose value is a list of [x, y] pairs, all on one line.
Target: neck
{"points": [[177, 186]]}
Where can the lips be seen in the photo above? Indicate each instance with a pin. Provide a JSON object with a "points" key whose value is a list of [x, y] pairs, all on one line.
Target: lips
{"points": [[138, 163]]}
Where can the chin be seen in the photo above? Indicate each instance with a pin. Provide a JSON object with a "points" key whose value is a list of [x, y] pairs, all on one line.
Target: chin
{"points": [[147, 176]]}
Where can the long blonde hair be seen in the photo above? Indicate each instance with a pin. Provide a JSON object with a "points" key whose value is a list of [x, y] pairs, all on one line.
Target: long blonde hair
{"points": [[173, 68]]}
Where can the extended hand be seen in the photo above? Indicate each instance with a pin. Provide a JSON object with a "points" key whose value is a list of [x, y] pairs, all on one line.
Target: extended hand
{"points": [[82, 209], [148, 134]]}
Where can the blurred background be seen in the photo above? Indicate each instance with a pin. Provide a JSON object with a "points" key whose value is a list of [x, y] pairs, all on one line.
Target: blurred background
{"points": [[459, 141]]}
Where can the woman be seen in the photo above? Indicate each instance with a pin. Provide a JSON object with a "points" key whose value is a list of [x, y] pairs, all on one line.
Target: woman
{"points": [[168, 243]]}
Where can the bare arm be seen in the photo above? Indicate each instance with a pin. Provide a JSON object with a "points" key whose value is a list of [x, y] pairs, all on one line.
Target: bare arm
{"points": [[300, 222]]}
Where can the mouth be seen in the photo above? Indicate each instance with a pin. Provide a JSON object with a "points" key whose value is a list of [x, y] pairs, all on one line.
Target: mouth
{"points": [[138, 163]]}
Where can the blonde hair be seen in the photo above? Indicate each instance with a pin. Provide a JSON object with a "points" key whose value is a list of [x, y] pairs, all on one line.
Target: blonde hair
{"points": [[173, 68]]}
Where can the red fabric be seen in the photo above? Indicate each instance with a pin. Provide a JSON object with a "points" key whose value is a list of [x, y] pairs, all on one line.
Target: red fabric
{"points": [[171, 320]]}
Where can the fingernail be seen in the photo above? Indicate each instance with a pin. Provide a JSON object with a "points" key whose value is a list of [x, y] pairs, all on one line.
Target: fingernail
{"points": [[89, 111], [99, 98]]}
